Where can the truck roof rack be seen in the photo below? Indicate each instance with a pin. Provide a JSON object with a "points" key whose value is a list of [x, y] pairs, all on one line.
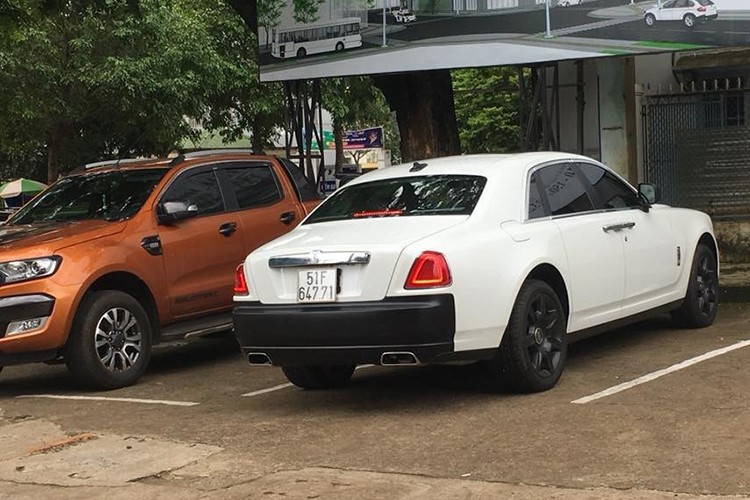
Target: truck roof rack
{"points": [[209, 152], [105, 163]]}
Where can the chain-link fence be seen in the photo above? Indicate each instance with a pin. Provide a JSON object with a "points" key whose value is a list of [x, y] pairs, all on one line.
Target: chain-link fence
{"points": [[697, 150]]}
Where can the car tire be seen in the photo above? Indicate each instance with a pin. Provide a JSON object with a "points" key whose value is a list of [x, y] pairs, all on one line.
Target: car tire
{"points": [[701, 302], [339, 47], [319, 377], [301, 52], [110, 343], [689, 20], [650, 20], [534, 348]]}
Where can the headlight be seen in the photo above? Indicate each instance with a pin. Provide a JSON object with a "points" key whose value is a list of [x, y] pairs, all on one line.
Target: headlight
{"points": [[29, 269]]}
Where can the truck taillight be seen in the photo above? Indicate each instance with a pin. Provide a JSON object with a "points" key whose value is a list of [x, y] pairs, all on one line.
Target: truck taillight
{"points": [[430, 270], [240, 283]]}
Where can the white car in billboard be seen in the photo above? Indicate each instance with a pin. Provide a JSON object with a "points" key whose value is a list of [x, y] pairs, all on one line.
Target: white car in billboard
{"points": [[689, 12], [498, 259], [403, 15]]}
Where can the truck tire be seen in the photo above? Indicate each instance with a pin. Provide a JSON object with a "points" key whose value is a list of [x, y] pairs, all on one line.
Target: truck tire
{"points": [[110, 343]]}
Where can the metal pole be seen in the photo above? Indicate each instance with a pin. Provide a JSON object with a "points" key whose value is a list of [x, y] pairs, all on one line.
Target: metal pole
{"points": [[384, 42], [549, 33]]}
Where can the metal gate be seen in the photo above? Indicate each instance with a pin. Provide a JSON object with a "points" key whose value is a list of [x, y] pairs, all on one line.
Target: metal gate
{"points": [[697, 150]]}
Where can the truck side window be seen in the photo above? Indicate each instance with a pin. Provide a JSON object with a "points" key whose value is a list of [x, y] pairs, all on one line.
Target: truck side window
{"points": [[254, 186], [201, 189]]}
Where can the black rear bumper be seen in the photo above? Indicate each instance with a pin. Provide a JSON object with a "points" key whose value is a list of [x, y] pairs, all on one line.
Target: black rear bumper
{"points": [[347, 333]]}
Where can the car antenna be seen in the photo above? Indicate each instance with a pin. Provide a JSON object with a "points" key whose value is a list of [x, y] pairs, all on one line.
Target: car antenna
{"points": [[417, 166], [121, 156]]}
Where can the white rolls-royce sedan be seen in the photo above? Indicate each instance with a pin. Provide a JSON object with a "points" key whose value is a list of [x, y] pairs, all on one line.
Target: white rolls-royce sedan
{"points": [[500, 259]]}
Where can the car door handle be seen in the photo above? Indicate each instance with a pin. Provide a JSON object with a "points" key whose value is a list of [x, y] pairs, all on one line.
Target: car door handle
{"points": [[618, 227], [288, 217], [228, 229]]}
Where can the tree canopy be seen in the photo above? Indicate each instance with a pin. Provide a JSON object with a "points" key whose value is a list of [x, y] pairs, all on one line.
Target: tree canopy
{"points": [[85, 80], [487, 109]]}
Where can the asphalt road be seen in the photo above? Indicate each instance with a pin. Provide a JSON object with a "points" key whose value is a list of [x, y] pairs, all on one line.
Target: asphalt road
{"points": [[720, 32], [682, 433]]}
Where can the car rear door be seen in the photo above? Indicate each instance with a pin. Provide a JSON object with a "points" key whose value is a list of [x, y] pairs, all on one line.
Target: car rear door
{"points": [[594, 252]]}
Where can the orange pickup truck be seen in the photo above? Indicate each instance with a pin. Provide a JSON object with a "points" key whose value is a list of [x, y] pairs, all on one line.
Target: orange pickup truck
{"points": [[120, 255]]}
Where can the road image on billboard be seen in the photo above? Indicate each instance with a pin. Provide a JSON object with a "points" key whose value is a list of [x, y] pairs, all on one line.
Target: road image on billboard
{"points": [[301, 39]]}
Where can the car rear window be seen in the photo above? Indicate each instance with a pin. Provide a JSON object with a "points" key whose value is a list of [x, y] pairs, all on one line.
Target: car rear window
{"points": [[403, 197], [705, 2]]}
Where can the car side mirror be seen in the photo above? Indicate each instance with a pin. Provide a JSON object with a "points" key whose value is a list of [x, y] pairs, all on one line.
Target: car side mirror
{"points": [[173, 211], [648, 193]]}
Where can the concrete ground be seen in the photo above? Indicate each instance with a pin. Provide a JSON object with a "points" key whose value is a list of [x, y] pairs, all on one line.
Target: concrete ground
{"points": [[204, 424]]}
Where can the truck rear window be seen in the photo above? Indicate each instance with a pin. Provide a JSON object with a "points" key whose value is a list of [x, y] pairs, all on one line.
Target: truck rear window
{"points": [[403, 197]]}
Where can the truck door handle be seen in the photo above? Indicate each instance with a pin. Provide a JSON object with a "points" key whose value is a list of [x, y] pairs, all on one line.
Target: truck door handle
{"points": [[287, 217], [228, 229]]}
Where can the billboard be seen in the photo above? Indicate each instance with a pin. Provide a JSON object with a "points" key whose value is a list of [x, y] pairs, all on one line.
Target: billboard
{"points": [[368, 138], [302, 39]]}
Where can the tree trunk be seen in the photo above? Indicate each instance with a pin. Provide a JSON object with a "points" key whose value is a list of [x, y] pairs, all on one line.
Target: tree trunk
{"points": [[338, 132], [53, 153], [247, 10], [257, 135], [426, 115]]}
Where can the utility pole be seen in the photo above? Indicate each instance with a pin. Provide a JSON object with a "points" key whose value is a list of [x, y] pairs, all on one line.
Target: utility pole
{"points": [[549, 32], [384, 42]]}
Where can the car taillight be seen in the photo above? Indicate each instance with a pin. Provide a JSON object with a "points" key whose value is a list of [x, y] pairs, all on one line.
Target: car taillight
{"points": [[701, 9], [240, 283], [430, 270]]}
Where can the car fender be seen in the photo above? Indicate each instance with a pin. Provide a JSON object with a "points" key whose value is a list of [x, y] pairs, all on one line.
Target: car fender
{"points": [[693, 226]]}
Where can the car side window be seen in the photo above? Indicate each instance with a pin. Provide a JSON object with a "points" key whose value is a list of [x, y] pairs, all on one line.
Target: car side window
{"points": [[254, 186], [536, 208], [200, 189], [565, 191], [611, 192]]}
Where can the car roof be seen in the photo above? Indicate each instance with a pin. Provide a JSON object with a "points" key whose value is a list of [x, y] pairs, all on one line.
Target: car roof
{"points": [[486, 165]]}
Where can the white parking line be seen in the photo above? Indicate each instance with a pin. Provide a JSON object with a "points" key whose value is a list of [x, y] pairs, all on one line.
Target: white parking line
{"points": [[103, 398], [653, 376], [265, 391], [284, 386]]}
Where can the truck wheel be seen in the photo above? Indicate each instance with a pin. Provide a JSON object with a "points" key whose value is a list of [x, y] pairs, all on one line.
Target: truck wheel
{"points": [[110, 343], [339, 47], [534, 348], [301, 52], [698, 310], [319, 377]]}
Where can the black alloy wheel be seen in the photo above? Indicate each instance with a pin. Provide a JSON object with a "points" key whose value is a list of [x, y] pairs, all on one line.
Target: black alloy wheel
{"points": [[701, 301], [534, 348]]}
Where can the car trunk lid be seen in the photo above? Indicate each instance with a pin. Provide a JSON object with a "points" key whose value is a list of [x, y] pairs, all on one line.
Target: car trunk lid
{"points": [[359, 254]]}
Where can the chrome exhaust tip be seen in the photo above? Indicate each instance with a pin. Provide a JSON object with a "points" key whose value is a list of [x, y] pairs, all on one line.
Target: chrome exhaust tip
{"points": [[398, 359], [258, 358]]}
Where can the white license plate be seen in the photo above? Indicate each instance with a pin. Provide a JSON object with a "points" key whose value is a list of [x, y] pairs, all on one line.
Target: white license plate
{"points": [[317, 285]]}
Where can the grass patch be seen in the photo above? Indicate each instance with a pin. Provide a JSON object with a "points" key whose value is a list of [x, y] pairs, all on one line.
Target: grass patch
{"points": [[671, 45]]}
